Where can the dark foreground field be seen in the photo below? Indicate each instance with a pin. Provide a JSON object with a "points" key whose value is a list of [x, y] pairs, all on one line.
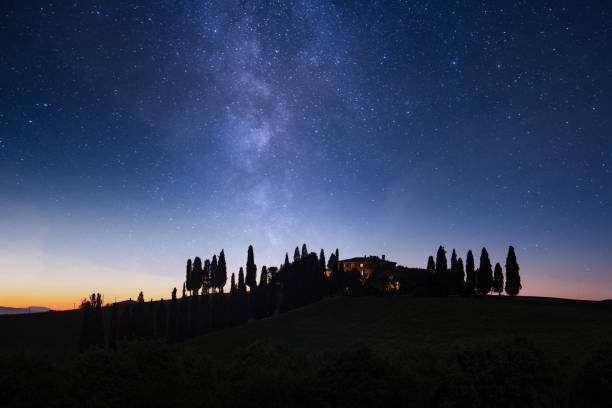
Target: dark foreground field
{"points": [[368, 351]]}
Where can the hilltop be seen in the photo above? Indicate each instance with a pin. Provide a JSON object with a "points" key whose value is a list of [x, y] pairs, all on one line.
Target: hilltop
{"points": [[387, 325]]}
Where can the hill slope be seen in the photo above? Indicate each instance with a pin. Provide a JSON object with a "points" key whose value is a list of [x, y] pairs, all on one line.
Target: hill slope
{"points": [[391, 324], [385, 324]]}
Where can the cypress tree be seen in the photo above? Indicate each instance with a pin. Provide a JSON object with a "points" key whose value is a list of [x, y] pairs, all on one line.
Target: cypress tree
{"points": [[484, 279], [332, 263], [286, 264], [454, 261], [441, 275], [296, 254], [498, 279], [251, 270], [334, 277], [214, 267], [241, 284], [453, 278], [431, 264], [233, 285], [460, 274], [188, 275], [184, 290], [221, 274], [513, 279], [322, 262], [206, 277], [196, 276], [263, 277], [304, 252], [470, 274]]}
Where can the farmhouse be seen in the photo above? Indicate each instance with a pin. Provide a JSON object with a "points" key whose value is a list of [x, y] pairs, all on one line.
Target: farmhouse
{"points": [[365, 265]]}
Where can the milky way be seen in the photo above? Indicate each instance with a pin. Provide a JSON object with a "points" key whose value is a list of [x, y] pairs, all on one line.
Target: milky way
{"points": [[135, 135]]}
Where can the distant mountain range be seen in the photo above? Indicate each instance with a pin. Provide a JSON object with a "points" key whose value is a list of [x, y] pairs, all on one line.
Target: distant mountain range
{"points": [[20, 310]]}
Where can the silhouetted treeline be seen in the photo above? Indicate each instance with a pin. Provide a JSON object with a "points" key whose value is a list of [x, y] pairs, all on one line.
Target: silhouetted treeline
{"points": [[295, 284], [472, 281]]}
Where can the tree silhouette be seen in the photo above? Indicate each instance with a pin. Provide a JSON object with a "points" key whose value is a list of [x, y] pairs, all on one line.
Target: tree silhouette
{"points": [[92, 327], [221, 274], [498, 279], [431, 264], [233, 289], [460, 275], [189, 268], [286, 263], [263, 277], [455, 278], [296, 254], [214, 267], [206, 277], [513, 279], [484, 277], [441, 271], [304, 251], [241, 284], [322, 263], [251, 270], [470, 274], [196, 276]]}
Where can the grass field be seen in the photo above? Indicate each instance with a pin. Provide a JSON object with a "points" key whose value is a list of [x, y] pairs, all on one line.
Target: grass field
{"points": [[387, 325], [345, 351], [55, 333]]}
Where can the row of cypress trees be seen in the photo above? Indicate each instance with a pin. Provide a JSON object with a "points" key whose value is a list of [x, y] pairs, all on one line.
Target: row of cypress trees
{"points": [[472, 280], [292, 285]]}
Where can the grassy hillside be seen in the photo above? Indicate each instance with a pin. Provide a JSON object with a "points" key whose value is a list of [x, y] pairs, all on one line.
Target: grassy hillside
{"points": [[391, 324], [384, 324], [369, 351], [55, 333]]}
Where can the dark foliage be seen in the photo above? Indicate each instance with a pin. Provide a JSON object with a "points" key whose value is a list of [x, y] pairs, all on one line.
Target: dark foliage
{"points": [[221, 273], [470, 274], [251, 270], [498, 279], [92, 329], [513, 279], [431, 264], [484, 277], [296, 284], [442, 274]]}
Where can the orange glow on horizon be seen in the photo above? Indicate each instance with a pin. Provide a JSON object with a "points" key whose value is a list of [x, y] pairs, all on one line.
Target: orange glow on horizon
{"points": [[65, 300]]}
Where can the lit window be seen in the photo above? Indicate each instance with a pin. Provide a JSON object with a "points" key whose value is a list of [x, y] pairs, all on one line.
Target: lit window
{"points": [[361, 265]]}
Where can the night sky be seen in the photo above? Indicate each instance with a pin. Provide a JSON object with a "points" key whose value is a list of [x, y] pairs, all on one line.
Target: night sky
{"points": [[134, 135]]}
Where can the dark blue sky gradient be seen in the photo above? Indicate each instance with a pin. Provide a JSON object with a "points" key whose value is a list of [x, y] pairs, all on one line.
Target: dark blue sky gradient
{"points": [[135, 135]]}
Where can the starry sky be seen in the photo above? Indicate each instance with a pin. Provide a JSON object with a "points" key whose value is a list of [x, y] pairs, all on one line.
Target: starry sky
{"points": [[136, 134]]}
